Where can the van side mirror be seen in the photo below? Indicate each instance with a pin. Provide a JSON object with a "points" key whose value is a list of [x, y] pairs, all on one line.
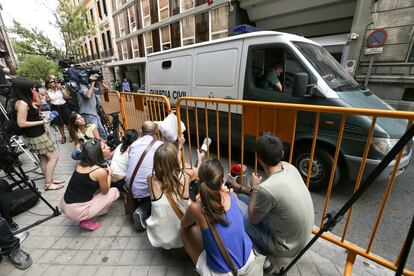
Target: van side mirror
{"points": [[300, 85]]}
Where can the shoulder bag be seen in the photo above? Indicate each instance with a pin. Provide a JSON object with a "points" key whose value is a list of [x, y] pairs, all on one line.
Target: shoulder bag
{"points": [[129, 202]]}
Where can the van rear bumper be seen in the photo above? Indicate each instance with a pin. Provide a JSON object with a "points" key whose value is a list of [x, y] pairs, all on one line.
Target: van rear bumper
{"points": [[354, 162]]}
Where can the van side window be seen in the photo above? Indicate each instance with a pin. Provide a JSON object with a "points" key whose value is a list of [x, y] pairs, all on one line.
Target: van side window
{"points": [[274, 69]]}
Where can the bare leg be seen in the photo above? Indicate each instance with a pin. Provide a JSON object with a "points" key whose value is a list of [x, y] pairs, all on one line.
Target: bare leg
{"points": [[52, 158], [193, 242], [43, 162], [62, 133]]}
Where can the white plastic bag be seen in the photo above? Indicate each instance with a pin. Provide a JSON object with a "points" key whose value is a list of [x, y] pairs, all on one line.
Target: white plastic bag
{"points": [[169, 127]]}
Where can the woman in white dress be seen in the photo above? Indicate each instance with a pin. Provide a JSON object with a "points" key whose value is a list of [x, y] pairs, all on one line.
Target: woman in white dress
{"points": [[169, 191]]}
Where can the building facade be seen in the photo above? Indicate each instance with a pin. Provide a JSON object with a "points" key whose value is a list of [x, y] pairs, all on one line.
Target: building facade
{"points": [[146, 26], [7, 56], [343, 27], [97, 50]]}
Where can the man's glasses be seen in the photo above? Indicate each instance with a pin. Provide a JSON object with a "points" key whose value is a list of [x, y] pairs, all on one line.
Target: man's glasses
{"points": [[52, 81]]}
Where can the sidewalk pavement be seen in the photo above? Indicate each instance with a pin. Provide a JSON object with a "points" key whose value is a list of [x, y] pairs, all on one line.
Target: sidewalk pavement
{"points": [[59, 247]]}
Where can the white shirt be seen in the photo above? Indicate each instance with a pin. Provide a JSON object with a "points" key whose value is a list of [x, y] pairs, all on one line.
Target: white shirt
{"points": [[56, 97], [119, 163]]}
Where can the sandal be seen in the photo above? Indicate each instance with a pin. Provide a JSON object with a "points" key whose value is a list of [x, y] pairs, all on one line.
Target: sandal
{"points": [[57, 181], [53, 187]]}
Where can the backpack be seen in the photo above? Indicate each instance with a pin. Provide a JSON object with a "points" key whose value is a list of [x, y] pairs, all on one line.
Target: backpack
{"points": [[18, 201], [12, 128]]}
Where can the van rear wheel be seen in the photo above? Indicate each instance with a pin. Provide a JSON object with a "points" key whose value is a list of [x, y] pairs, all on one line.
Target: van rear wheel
{"points": [[321, 167]]}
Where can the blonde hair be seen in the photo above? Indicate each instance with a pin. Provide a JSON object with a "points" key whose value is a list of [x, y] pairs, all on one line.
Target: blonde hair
{"points": [[167, 169]]}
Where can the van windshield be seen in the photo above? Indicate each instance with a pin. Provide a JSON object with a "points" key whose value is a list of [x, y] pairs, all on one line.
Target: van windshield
{"points": [[330, 70]]}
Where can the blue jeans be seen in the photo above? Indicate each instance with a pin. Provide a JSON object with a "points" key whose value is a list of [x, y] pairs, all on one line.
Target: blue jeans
{"points": [[258, 233], [8, 242], [94, 119]]}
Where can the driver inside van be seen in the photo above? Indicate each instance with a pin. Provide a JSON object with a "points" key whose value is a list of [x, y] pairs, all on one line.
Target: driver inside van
{"points": [[271, 79]]}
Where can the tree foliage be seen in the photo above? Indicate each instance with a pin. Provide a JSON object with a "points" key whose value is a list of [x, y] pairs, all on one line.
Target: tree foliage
{"points": [[33, 42], [73, 23], [37, 67]]}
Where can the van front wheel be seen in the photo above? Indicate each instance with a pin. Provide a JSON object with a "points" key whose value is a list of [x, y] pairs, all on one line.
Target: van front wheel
{"points": [[321, 167]]}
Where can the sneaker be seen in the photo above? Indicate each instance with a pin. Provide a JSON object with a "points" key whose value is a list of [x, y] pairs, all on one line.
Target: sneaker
{"points": [[22, 236], [89, 224], [267, 266], [139, 220], [20, 259]]}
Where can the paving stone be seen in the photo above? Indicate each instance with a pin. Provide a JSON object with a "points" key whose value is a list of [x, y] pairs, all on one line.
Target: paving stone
{"points": [[120, 243], [127, 231], [50, 257], [160, 257], [144, 257], [104, 243], [122, 271], [105, 270], [87, 270], [307, 269], [70, 270], [99, 232], [90, 243], [157, 270], [104, 257], [134, 243], [175, 271], [327, 268], [72, 231], [80, 257], [36, 269], [62, 243], [113, 231], [65, 257], [54, 270], [139, 271], [128, 257], [190, 271]]}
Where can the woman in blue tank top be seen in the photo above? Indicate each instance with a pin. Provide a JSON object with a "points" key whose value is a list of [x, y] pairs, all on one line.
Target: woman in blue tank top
{"points": [[221, 208]]}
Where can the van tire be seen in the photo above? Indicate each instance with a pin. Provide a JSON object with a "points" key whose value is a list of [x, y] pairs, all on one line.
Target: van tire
{"points": [[321, 168]]}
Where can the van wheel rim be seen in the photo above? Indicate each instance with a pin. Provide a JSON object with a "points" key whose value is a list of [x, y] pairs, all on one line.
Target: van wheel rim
{"points": [[317, 167]]}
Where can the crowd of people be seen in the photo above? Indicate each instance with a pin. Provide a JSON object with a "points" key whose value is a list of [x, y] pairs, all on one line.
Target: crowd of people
{"points": [[226, 229]]}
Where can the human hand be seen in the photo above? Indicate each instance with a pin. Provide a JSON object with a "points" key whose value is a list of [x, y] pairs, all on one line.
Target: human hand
{"points": [[256, 180], [109, 170], [201, 155], [181, 140]]}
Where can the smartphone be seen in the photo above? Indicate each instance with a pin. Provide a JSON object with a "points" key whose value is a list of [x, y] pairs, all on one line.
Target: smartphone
{"points": [[206, 144]]}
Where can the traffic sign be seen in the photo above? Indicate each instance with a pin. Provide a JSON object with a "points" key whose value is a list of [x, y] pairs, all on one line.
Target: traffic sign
{"points": [[373, 51], [377, 38]]}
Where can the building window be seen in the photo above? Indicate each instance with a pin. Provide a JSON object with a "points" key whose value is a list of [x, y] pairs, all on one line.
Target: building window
{"points": [[121, 24], [124, 49], [104, 41], [187, 30], [145, 13], [202, 27], [132, 19], [165, 38], [135, 47], [164, 10], [91, 14], [98, 3], [108, 36], [175, 7], [105, 10], [148, 43], [186, 5], [411, 53], [219, 22]]}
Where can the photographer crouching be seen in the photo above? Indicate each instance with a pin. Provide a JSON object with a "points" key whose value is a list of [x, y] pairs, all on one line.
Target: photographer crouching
{"points": [[87, 103]]}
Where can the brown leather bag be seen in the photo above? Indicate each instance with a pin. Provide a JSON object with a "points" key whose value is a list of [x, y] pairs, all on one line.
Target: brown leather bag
{"points": [[221, 246], [173, 205], [129, 202]]}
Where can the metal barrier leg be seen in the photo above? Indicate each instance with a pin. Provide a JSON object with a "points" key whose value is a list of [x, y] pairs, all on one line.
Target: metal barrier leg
{"points": [[350, 260]]}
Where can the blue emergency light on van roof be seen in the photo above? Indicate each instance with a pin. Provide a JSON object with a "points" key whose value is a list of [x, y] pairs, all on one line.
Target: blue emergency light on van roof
{"points": [[244, 29]]}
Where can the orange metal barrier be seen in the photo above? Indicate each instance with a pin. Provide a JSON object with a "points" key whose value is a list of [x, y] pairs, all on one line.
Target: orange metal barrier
{"points": [[136, 108], [218, 119]]}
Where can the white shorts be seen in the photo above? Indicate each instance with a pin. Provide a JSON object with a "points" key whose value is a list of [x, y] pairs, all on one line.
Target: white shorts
{"points": [[204, 270]]}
